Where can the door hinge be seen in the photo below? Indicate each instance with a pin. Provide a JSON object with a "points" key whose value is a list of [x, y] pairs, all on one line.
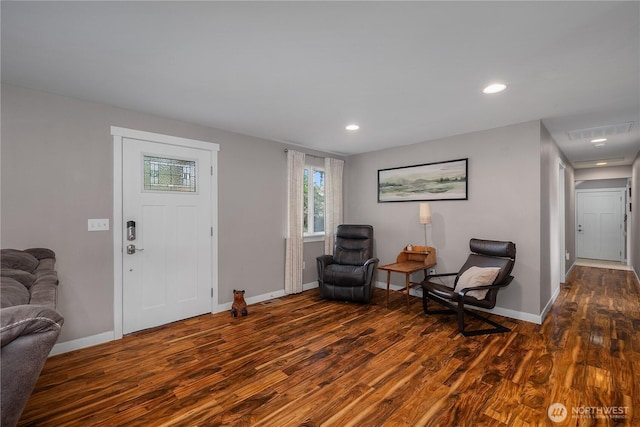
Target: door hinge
{"points": [[211, 170], [211, 292], [211, 231]]}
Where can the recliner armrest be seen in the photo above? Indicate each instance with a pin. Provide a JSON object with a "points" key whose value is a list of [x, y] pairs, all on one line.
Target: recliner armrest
{"points": [[370, 267], [323, 261], [371, 261]]}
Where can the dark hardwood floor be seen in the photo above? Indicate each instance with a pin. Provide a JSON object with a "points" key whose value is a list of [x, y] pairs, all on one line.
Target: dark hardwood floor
{"points": [[303, 361]]}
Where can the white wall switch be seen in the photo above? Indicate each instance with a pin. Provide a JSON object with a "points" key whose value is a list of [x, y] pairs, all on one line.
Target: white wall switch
{"points": [[98, 224]]}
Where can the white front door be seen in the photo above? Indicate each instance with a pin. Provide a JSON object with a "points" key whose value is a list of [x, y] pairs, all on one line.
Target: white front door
{"points": [[167, 267], [599, 221]]}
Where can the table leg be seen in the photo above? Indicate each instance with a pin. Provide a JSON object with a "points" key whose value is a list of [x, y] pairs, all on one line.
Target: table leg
{"points": [[408, 286], [388, 281]]}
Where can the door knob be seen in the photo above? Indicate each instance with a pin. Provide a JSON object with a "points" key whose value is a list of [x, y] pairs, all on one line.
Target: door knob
{"points": [[131, 249]]}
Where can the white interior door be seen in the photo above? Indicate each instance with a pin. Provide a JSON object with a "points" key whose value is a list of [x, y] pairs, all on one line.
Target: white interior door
{"points": [[167, 273], [600, 224]]}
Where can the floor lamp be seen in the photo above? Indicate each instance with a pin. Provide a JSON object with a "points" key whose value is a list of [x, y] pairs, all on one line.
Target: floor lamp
{"points": [[425, 218]]}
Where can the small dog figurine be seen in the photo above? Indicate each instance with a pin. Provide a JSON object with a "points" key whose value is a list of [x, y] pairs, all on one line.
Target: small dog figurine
{"points": [[239, 304]]}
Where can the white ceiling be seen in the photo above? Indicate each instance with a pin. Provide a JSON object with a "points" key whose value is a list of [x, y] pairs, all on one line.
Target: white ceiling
{"points": [[298, 72]]}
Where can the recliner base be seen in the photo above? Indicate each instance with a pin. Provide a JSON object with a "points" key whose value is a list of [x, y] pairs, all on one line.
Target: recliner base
{"points": [[497, 328]]}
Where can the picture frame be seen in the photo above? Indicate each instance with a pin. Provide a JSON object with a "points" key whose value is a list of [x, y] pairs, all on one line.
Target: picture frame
{"points": [[446, 180]]}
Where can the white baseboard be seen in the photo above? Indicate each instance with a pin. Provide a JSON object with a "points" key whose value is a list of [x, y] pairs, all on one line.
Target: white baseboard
{"points": [[547, 307], [569, 271], [264, 297], [252, 300], [310, 285], [67, 346], [506, 312]]}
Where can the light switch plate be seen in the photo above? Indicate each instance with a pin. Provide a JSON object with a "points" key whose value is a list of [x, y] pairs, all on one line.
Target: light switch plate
{"points": [[98, 224]]}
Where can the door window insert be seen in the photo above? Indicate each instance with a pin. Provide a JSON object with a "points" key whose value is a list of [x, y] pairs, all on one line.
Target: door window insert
{"points": [[165, 174]]}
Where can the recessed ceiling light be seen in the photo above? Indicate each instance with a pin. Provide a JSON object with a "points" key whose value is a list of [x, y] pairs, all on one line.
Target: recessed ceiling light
{"points": [[494, 88], [598, 140], [352, 127], [601, 163]]}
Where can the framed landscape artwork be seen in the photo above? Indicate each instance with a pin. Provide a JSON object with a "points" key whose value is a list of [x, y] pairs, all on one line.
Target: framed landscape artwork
{"points": [[427, 182]]}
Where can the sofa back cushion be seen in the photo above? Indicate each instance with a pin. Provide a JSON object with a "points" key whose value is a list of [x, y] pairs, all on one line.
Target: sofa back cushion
{"points": [[18, 260], [24, 277], [12, 293]]}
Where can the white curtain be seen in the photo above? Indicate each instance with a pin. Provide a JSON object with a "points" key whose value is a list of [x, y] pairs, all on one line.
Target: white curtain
{"points": [[294, 239], [333, 201]]}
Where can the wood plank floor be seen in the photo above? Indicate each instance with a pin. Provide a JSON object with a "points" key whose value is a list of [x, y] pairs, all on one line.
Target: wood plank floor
{"points": [[303, 361]]}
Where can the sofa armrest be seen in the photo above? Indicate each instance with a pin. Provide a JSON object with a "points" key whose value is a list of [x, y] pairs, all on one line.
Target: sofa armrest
{"points": [[27, 319], [28, 333]]}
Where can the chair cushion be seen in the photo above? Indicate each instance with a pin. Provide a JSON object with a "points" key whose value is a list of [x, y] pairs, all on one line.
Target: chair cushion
{"points": [[353, 245], [477, 276], [344, 275], [493, 248], [350, 255], [439, 290], [504, 264]]}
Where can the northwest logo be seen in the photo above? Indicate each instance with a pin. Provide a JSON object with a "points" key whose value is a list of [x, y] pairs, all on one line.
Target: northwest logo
{"points": [[557, 412]]}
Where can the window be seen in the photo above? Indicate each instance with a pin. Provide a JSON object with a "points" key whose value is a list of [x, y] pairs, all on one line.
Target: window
{"points": [[162, 174], [313, 204]]}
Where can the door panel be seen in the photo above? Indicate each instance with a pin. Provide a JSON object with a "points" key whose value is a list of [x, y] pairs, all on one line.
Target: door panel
{"points": [[599, 220], [167, 192]]}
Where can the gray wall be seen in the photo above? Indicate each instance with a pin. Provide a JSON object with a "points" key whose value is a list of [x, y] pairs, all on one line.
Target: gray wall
{"points": [[57, 173], [551, 225], [611, 172], [310, 272], [570, 220], [602, 183], [635, 216], [504, 204]]}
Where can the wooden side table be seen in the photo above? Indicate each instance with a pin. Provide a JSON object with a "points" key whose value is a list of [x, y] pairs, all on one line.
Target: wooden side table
{"points": [[408, 262]]}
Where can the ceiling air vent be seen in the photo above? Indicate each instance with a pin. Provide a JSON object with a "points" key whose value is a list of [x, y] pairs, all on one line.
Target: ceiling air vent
{"points": [[600, 131]]}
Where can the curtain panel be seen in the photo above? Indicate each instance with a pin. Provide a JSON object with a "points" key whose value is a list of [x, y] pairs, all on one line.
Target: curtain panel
{"points": [[294, 239], [333, 170]]}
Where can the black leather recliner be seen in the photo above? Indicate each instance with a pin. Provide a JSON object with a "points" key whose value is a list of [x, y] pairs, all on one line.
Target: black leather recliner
{"points": [[347, 275], [485, 254]]}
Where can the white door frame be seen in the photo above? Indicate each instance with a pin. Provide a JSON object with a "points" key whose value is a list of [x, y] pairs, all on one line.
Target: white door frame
{"points": [[561, 223], [119, 135], [622, 192]]}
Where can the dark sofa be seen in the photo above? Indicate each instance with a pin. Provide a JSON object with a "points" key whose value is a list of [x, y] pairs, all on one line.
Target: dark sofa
{"points": [[29, 324]]}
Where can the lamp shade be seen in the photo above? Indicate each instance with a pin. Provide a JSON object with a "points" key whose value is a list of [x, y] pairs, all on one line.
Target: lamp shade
{"points": [[425, 213]]}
